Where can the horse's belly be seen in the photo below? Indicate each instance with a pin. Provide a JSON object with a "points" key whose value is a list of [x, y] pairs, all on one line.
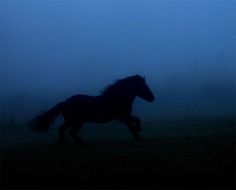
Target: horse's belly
{"points": [[100, 116], [89, 109]]}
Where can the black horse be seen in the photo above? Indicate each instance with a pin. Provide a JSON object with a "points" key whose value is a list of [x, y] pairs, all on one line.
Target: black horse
{"points": [[115, 102]]}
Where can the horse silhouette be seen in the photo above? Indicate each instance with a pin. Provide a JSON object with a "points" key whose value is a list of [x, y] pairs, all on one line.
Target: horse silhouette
{"points": [[115, 103]]}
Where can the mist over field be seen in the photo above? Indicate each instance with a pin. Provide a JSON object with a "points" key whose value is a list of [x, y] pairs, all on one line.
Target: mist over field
{"points": [[51, 50]]}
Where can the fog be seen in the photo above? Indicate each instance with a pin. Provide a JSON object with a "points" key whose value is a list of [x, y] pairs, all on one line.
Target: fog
{"points": [[51, 50]]}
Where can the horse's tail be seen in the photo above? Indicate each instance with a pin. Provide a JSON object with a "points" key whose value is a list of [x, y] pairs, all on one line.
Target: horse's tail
{"points": [[42, 122]]}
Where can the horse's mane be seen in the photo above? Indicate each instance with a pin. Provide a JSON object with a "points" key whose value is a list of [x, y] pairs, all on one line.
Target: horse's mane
{"points": [[120, 84]]}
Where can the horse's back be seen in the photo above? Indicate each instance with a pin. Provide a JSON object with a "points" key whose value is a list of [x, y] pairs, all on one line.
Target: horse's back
{"points": [[79, 97], [78, 100], [82, 103]]}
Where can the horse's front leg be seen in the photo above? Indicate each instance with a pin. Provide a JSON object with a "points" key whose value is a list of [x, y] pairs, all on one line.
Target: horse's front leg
{"points": [[134, 126], [136, 123]]}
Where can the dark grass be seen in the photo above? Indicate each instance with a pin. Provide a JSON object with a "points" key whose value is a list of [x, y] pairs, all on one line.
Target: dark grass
{"points": [[186, 154]]}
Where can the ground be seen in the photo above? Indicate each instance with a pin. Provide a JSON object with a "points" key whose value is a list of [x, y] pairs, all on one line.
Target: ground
{"points": [[175, 154]]}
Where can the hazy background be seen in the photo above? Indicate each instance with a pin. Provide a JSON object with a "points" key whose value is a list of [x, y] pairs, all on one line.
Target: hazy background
{"points": [[52, 49]]}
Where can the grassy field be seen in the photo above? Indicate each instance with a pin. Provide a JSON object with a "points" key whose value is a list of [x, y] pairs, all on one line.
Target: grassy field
{"points": [[181, 154]]}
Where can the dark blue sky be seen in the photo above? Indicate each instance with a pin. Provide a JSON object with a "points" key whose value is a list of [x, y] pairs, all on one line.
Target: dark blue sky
{"points": [[185, 48]]}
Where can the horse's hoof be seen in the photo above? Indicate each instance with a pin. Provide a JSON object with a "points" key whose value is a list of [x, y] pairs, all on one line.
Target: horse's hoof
{"points": [[63, 143], [138, 138]]}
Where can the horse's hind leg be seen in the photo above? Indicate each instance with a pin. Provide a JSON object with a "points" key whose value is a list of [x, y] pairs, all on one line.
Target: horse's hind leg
{"points": [[73, 132], [134, 126], [62, 131]]}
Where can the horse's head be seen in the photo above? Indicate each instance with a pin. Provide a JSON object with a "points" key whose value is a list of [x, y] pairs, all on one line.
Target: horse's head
{"points": [[142, 90], [130, 87]]}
